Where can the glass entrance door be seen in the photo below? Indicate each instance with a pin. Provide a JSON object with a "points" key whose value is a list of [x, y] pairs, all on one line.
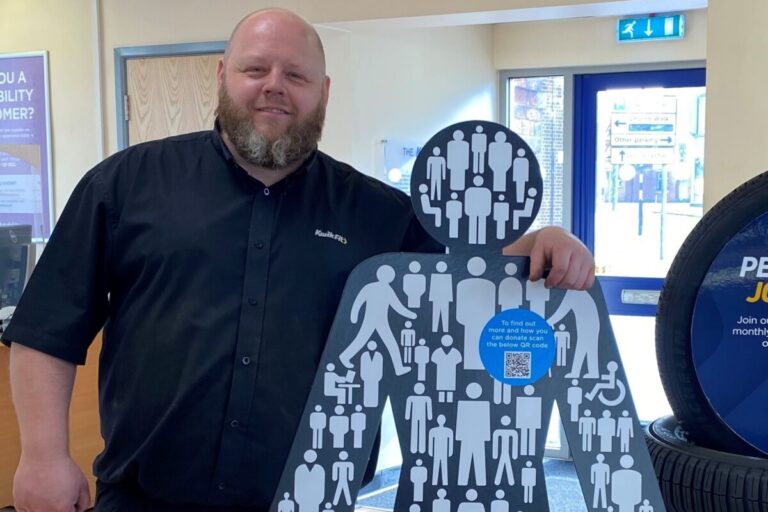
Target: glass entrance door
{"points": [[638, 182]]}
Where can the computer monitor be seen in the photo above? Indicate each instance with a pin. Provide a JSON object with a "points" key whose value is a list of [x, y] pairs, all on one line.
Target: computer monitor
{"points": [[16, 262]]}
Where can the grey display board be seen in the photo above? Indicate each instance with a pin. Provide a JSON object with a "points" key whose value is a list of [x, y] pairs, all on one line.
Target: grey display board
{"points": [[472, 357]]}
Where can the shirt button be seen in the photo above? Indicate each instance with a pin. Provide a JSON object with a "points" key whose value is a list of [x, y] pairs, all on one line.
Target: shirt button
{"points": [[234, 423], [266, 191], [246, 360], [259, 245], [221, 486], [252, 301]]}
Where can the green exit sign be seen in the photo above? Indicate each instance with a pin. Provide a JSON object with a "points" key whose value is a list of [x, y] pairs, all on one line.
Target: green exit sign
{"points": [[650, 28]]}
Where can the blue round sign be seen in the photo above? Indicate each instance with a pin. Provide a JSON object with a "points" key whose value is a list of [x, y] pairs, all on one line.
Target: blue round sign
{"points": [[517, 347], [729, 333]]}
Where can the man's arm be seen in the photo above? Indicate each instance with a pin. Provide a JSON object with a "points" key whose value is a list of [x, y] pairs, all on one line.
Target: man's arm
{"points": [[47, 478], [570, 263]]}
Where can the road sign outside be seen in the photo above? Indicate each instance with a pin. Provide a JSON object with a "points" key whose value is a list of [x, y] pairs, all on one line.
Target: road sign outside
{"points": [[648, 156], [650, 28], [640, 123], [661, 139]]}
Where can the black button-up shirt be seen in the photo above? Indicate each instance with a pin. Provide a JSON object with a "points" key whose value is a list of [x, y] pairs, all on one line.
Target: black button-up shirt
{"points": [[216, 295]]}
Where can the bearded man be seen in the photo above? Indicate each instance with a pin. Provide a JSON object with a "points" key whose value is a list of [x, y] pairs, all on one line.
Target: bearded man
{"points": [[214, 263]]}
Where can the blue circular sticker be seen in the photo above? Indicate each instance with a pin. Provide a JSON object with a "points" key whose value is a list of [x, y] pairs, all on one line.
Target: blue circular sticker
{"points": [[517, 347], [729, 333]]}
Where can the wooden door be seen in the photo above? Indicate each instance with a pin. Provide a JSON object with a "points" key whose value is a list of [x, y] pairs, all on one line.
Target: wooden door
{"points": [[170, 95]]}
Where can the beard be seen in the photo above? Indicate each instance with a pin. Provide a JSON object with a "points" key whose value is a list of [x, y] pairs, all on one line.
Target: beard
{"points": [[295, 145]]}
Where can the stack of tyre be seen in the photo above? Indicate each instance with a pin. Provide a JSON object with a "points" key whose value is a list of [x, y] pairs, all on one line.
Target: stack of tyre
{"points": [[712, 349]]}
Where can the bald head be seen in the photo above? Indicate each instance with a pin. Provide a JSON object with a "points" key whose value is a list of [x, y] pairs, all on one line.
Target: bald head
{"points": [[276, 18]]}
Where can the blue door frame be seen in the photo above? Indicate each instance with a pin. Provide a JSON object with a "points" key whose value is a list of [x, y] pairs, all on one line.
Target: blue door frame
{"points": [[586, 87]]}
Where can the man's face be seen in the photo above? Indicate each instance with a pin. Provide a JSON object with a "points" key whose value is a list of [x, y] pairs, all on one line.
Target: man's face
{"points": [[272, 91]]}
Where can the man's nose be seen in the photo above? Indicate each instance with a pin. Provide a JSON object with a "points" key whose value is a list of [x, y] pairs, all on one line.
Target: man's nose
{"points": [[274, 82]]}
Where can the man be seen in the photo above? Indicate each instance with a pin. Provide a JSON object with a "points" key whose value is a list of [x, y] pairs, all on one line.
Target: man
{"points": [[214, 262]]}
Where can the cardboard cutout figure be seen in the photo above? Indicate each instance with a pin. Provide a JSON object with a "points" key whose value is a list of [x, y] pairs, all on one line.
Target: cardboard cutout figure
{"points": [[472, 357]]}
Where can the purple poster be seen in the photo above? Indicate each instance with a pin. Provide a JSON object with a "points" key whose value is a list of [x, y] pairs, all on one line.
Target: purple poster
{"points": [[25, 144]]}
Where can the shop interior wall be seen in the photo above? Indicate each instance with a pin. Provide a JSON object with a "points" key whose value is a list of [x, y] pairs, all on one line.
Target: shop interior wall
{"points": [[67, 31], [737, 105], [590, 42]]}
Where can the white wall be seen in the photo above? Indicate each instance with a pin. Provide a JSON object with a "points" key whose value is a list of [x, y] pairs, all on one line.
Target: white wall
{"points": [[737, 105], [590, 42], [404, 84]]}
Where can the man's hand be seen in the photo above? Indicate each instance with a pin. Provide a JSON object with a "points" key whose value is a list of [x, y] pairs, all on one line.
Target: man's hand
{"points": [[570, 263], [50, 486]]}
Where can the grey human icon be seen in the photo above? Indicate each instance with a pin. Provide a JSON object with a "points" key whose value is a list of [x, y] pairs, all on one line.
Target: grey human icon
{"points": [[343, 473], [587, 332], [371, 373], [502, 393], [441, 296], [528, 410], [537, 296], [338, 426], [504, 449], [421, 358], [286, 504], [418, 477], [477, 207], [309, 484], [479, 148], [562, 344], [377, 298], [471, 505], [600, 478], [436, 173], [501, 216], [317, 422], [357, 423], [500, 160], [475, 305], [458, 160], [527, 209], [328, 507], [440, 448], [587, 430], [510, 289], [625, 430], [408, 341], [414, 285], [473, 431], [606, 431], [454, 210], [499, 504], [528, 481], [574, 396], [645, 507], [414, 508], [446, 360], [626, 485], [332, 381], [521, 173], [609, 382], [418, 410], [427, 208], [441, 504]]}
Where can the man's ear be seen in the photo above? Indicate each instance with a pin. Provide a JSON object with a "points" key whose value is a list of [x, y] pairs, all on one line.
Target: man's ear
{"points": [[220, 73], [326, 89]]}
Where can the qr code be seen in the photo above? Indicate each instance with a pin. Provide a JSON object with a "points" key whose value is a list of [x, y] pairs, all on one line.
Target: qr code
{"points": [[517, 365]]}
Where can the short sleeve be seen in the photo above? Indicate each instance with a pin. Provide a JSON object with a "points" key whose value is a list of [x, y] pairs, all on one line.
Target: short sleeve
{"points": [[65, 302]]}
